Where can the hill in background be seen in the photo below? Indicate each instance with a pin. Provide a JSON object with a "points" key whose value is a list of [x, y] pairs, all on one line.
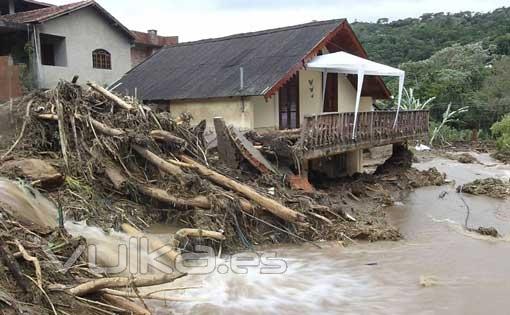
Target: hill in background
{"points": [[415, 39]]}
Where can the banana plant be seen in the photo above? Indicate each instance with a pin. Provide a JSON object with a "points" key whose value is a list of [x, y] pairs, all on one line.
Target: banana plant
{"points": [[410, 102], [448, 116]]}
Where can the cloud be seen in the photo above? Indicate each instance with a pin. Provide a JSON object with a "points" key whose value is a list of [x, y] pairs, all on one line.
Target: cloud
{"points": [[198, 19]]}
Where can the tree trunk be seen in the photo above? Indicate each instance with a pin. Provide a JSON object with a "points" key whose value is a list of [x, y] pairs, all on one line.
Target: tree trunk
{"points": [[111, 96], [269, 204], [159, 162]]}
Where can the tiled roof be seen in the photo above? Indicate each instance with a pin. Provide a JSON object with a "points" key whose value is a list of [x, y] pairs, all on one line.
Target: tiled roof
{"points": [[210, 68], [45, 14], [52, 12], [147, 39]]}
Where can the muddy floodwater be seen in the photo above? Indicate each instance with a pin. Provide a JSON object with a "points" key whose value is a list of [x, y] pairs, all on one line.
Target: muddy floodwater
{"points": [[438, 269]]}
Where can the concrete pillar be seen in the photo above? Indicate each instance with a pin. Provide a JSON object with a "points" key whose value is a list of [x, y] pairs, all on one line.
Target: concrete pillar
{"points": [[12, 8], [354, 162]]}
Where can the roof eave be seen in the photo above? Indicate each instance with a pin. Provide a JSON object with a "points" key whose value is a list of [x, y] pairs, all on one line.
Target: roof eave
{"points": [[96, 5], [301, 64], [314, 51]]}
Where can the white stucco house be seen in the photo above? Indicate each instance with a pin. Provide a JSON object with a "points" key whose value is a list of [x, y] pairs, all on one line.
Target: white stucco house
{"points": [[79, 38], [59, 42]]}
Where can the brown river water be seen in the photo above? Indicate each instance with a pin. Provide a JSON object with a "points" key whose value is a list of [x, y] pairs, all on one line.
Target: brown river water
{"points": [[438, 268]]}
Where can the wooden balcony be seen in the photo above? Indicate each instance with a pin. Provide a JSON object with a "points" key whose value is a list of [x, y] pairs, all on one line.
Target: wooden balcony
{"points": [[331, 133]]}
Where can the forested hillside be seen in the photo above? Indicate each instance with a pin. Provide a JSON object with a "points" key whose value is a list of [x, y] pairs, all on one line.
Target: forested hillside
{"points": [[417, 39], [459, 62]]}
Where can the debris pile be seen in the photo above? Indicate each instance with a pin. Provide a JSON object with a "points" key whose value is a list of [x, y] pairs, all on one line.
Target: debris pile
{"points": [[116, 163], [492, 187], [465, 158]]}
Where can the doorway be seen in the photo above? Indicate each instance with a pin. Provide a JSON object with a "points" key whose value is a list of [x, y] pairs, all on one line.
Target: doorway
{"points": [[288, 115], [331, 97]]}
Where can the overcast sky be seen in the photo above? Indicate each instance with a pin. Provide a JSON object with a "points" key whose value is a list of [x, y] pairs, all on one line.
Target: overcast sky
{"points": [[198, 19]]}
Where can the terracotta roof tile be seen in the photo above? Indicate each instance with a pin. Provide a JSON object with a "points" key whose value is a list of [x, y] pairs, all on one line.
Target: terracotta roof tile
{"points": [[44, 14]]}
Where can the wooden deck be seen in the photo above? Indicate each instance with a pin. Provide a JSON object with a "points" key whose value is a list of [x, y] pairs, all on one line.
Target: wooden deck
{"points": [[331, 133]]}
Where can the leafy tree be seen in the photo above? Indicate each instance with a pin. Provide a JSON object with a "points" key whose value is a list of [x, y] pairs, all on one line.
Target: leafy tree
{"points": [[492, 100], [418, 39], [502, 43], [450, 75]]}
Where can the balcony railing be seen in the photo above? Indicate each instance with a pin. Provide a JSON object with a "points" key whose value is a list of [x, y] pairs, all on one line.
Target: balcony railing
{"points": [[332, 133]]}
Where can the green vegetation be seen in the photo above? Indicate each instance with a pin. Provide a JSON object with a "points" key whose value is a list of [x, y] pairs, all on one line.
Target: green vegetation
{"points": [[418, 39], [501, 130], [458, 63]]}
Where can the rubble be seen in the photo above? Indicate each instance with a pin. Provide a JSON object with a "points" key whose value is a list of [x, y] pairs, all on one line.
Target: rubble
{"points": [[465, 158], [492, 187]]}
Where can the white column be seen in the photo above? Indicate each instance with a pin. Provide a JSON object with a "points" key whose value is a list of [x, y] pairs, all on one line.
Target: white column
{"points": [[12, 8]]}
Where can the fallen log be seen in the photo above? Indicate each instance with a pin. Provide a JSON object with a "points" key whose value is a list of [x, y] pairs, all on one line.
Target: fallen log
{"points": [[160, 163], [167, 137], [199, 233], [125, 304], [154, 244], [163, 196], [122, 282], [111, 96], [269, 204], [147, 296]]}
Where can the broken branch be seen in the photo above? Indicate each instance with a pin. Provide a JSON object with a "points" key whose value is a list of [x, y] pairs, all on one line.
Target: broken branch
{"points": [[269, 204], [120, 282], [111, 96]]}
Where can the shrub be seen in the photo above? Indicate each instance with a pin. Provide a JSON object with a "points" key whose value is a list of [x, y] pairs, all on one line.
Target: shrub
{"points": [[501, 130]]}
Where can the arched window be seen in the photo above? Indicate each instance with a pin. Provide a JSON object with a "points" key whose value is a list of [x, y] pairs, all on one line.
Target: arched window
{"points": [[101, 59]]}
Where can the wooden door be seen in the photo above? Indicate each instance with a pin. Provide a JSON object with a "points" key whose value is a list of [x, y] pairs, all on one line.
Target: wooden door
{"points": [[331, 97], [289, 104]]}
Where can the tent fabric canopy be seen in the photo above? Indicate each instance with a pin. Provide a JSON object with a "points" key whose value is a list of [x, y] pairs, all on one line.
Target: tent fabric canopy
{"points": [[342, 62]]}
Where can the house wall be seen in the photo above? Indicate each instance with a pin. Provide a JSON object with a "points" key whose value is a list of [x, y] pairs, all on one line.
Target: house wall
{"points": [[310, 93], [140, 53], [347, 97], [10, 85], [265, 113], [231, 109], [85, 31]]}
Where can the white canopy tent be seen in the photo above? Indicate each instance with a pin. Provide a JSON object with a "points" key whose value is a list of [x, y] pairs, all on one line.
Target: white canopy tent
{"points": [[342, 62]]}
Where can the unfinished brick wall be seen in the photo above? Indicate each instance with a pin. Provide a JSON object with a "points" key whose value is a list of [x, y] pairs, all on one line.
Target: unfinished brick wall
{"points": [[139, 54], [10, 84]]}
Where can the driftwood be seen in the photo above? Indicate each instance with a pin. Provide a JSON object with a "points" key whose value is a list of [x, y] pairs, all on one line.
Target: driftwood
{"points": [[148, 296], [227, 149], [61, 130], [22, 133], [33, 260], [167, 137], [111, 96], [182, 203], [154, 244], [114, 174], [269, 204], [98, 126], [12, 265], [161, 195], [198, 233], [126, 304], [160, 163], [122, 282]]}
